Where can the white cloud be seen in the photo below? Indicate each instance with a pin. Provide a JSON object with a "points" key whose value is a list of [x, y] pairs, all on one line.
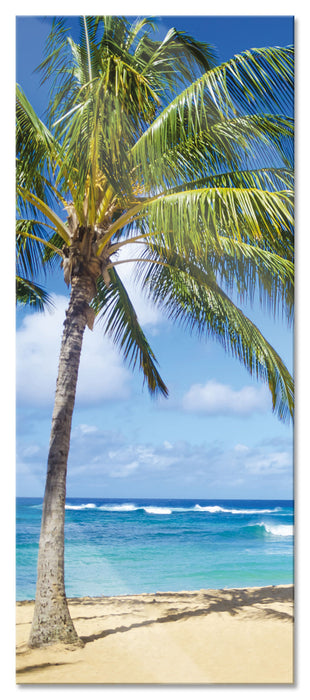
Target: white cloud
{"points": [[167, 445], [241, 448], [124, 470], [214, 398], [31, 450], [129, 458], [101, 376], [107, 455], [111, 462], [86, 429], [270, 463]]}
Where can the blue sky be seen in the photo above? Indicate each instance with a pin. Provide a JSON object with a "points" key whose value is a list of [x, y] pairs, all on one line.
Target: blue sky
{"points": [[216, 436]]}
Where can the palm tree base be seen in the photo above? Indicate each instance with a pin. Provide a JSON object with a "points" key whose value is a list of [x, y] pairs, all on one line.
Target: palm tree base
{"points": [[46, 632]]}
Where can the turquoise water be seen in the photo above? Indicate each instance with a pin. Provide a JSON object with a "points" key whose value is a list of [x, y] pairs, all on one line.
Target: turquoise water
{"points": [[117, 547]]}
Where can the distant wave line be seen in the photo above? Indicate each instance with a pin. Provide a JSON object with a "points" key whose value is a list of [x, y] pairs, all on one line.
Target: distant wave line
{"points": [[166, 510]]}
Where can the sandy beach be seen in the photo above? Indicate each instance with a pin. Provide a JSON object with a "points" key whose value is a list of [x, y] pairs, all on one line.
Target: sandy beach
{"points": [[240, 635]]}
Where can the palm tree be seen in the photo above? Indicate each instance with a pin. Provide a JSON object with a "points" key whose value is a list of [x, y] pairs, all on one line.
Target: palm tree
{"points": [[194, 177]]}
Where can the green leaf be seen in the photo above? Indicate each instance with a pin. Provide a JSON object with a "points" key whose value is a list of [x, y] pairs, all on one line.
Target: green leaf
{"points": [[189, 221], [196, 301], [122, 325], [252, 82], [28, 293]]}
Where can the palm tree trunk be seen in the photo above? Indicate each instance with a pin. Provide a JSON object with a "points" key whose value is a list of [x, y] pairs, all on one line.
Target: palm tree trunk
{"points": [[52, 621]]}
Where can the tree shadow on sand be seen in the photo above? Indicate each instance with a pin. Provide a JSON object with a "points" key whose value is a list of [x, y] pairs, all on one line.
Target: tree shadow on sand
{"points": [[233, 602]]}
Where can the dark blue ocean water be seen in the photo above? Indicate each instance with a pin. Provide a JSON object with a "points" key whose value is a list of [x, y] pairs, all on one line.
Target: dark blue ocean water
{"points": [[116, 547]]}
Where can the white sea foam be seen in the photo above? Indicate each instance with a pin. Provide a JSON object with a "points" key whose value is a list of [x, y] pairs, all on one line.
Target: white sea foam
{"points": [[154, 510], [253, 510], [234, 511], [123, 507], [278, 530], [210, 509], [83, 506], [161, 510]]}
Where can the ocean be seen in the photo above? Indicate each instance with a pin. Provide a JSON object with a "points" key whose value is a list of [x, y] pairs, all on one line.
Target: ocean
{"points": [[118, 547]]}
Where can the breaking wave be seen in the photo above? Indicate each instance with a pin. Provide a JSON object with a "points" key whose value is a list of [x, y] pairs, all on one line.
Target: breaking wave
{"points": [[164, 510], [278, 530], [234, 511], [123, 507], [154, 510], [83, 506]]}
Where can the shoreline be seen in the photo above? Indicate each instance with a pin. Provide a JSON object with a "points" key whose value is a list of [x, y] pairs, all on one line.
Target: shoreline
{"points": [[141, 594], [117, 596], [212, 636]]}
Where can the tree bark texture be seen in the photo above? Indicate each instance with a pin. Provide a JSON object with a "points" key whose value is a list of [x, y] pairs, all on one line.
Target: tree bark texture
{"points": [[52, 621]]}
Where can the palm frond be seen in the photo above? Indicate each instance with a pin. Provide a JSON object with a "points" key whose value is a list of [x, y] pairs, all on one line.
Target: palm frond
{"points": [[197, 302], [53, 246], [243, 268], [35, 148], [58, 68], [240, 143], [31, 294], [140, 72], [190, 221], [251, 81], [122, 325], [39, 205], [174, 62], [30, 247], [239, 268], [272, 179]]}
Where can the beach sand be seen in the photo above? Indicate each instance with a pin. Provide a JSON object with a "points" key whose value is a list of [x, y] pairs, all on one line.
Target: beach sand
{"points": [[240, 635]]}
